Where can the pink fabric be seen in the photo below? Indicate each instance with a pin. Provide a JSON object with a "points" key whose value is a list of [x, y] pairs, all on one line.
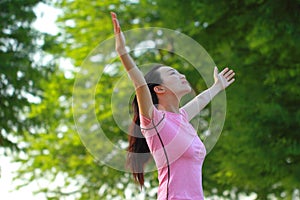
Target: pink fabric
{"points": [[185, 151]]}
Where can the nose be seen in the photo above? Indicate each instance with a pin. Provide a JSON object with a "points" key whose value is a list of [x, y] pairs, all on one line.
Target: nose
{"points": [[182, 76]]}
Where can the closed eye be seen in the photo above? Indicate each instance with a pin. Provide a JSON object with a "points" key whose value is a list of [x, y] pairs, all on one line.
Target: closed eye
{"points": [[173, 72]]}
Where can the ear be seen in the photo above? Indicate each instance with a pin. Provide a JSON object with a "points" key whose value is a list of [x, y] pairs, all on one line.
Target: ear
{"points": [[159, 89]]}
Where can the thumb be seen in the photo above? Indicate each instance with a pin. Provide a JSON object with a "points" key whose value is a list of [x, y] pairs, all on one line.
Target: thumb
{"points": [[216, 71]]}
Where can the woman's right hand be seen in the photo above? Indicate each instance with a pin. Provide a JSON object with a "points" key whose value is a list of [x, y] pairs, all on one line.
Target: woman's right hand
{"points": [[120, 39]]}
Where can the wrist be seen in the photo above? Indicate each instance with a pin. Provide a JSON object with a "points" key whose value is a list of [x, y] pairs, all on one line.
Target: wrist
{"points": [[217, 87], [121, 51]]}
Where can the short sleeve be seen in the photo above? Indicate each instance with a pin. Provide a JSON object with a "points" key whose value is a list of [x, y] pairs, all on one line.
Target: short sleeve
{"points": [[156, 121], [184, 113]]}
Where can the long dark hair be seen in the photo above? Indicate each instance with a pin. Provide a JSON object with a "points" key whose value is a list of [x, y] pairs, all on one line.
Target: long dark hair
{"points": [[138, 150]]}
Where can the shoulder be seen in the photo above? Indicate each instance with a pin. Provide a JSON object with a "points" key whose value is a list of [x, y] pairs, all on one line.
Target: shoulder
{"points": [[157, 117], [183, 113]]}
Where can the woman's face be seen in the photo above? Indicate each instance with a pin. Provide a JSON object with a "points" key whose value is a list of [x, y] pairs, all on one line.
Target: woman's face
{"points": [[173, 81]]}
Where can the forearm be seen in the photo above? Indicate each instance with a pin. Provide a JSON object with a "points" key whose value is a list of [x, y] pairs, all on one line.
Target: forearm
{"points": [[133, 71], [126, 60], [207, 95]]}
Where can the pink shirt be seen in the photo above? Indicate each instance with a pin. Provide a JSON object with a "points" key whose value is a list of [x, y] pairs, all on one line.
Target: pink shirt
{"points": [[185, 152]]}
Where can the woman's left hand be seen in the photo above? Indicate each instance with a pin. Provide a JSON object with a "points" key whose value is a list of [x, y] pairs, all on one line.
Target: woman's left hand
{"points": [[224, 78], [120, 39]]}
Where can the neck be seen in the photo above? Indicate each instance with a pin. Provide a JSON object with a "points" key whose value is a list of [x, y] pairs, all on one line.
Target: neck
{"points": [[169, 103]]}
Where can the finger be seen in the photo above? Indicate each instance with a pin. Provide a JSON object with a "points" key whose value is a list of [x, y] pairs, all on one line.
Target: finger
{"points": [[113, 15], [228, 73], [230, 76], [216, 71], [117, 28], [231, 81], [115, 25], [224, 71]]}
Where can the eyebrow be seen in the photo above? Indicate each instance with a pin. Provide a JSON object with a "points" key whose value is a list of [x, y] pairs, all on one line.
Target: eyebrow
{"points": [[171, 70]]}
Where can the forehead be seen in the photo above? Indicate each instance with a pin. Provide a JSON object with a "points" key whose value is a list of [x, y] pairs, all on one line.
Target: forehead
{"points": [[166, 69]]}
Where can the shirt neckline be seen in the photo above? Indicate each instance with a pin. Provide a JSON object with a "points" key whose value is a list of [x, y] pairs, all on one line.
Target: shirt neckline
{"points": [[172, 113]]}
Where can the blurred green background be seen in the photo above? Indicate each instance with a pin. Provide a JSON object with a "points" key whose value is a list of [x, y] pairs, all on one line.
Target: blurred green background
{"points": [[258, 152]]}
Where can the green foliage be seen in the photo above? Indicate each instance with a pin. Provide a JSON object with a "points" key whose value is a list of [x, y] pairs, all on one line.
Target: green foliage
{"points": [[261, 41], [20, 74], [259, 150]]}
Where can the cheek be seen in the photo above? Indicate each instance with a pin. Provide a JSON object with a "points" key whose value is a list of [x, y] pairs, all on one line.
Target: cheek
{"points": [[167, 82], [172, 83]]}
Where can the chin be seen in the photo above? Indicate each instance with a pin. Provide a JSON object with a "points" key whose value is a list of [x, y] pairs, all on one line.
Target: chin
{"points": [[187, 91]]}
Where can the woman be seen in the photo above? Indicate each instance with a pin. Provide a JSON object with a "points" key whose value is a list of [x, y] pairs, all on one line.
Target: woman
{"points": [[162, 128]]}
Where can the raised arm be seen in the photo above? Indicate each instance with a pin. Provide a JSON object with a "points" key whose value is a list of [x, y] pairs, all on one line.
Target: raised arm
{"points": [[142, 91], [222, 81]]}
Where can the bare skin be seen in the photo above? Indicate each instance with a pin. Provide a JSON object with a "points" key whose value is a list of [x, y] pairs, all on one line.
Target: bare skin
{"points": [[174, 85]]}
